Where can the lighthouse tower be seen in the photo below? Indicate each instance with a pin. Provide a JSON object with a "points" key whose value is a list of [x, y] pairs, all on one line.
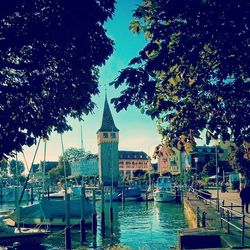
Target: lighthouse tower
{"points": [[108, 139]]}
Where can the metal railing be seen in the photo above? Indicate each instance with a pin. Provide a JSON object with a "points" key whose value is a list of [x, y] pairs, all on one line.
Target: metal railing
{"points": [[227, 213]]}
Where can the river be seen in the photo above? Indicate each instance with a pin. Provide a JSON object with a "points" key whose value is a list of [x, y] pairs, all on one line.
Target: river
{"points": [[136, 225]]}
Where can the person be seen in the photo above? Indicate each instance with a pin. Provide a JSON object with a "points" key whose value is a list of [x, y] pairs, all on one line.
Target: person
{"points": [[245, 198], [223, 187]]}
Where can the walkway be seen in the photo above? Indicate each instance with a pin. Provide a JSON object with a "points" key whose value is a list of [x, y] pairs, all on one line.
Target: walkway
{"points": [[231, 197], [213, 217]]}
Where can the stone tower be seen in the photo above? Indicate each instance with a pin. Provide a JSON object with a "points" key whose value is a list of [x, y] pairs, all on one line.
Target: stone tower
{"points": [[108, 139]]}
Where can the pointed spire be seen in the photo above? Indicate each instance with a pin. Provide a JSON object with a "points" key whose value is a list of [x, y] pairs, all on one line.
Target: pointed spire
{"points": [[107, 119]]}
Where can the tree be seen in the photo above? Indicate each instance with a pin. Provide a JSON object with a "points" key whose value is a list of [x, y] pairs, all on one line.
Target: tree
{"points": [[4, 167], [70, 154], [16, 167], [193, 73], [50, 52]]}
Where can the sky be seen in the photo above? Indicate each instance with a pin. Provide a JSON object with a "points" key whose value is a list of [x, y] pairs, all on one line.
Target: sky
{"points": [[137, 131]]}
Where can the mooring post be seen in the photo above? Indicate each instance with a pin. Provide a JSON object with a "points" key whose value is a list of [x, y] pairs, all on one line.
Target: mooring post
{"points": [[228, 218], [48, 191], [102, 212], [203, 220], [198, 216], [27, 197], [231, 212], [111, 206], [31, 195], [17, 212], [1, 195], [94, 217], [67, 228], [243, 230], [82, 221]]}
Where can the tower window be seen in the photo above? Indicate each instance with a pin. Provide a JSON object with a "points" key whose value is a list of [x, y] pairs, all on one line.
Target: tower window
{"points": [[113, 135], [105, 135]]}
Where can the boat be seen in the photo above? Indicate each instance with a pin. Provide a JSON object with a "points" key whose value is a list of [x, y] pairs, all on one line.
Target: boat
{"points": [[24, 236], [52, 213], [165, 191], [130, 194]]}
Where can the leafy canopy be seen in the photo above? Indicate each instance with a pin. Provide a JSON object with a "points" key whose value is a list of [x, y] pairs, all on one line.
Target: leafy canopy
{"points": [[193, 74], [50, 52]]}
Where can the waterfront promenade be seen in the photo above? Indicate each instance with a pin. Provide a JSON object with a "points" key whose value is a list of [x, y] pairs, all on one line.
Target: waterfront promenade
{"points": [[233, 238], [231, 197]]}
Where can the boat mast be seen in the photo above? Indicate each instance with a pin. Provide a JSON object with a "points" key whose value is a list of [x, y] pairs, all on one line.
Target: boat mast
{"points": [[44, 164], [27, 179], [64, 166]]}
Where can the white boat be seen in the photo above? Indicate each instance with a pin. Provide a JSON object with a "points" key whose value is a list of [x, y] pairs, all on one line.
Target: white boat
{"points": [[52, 213], [164, 191]]}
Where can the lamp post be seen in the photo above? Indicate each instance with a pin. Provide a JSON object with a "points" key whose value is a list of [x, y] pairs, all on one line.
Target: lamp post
{"points": [[196, 159], [216, 143]]}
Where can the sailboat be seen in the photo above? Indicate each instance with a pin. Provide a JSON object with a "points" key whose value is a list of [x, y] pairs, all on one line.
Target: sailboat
{"points": [[50, 212]]}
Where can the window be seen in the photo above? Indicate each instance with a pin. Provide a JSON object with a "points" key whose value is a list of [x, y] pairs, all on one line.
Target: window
{"points": [[113, 135], [105, 135]]}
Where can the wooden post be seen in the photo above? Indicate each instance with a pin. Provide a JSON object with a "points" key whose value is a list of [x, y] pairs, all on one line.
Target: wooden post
{"points": [[82, 221], [198, 216], [17, 212], [102, 212], [48, 192], [67, 228], [31, 195], [231, 212], [243, 231], [123, 196], [27, 197], [94, 217], [203, 219], [228, 221], [1, 195]]}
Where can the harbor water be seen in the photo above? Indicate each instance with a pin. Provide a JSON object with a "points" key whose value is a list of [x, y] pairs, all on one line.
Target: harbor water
{"points": [[136, 225]]}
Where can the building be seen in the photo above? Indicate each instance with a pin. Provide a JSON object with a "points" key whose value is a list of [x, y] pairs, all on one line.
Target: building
{"points": [[175, 162], [129, 161], [107, 140], [85, 166]]}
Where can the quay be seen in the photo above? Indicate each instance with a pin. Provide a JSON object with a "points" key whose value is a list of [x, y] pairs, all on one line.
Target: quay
{"points": [[207, 221]]}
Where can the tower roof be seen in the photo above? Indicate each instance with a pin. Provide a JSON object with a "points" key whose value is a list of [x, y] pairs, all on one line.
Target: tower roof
{"points": [[107, 119]]}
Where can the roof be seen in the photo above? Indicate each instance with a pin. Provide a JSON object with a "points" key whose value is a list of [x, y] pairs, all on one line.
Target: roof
{"points": [[133, 155], [107, 119], [207, 150]]}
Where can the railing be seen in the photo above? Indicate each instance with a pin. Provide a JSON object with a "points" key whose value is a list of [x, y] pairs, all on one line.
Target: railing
{"points": [[227, 213]]}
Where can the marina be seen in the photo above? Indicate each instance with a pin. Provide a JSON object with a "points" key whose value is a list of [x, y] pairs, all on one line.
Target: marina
{"points": [[136, 225]]}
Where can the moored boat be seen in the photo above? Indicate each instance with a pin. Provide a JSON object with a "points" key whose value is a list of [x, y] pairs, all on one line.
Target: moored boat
{"points": [[52, 213], [130, 194], [164, 191]]}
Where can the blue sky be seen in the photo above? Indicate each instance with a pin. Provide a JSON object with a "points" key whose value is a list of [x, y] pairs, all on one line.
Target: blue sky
{"points": [[137, 131]]}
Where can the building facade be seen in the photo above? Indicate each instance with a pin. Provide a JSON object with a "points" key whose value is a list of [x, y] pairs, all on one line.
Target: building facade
{"points": [[130, 161], [85, 166], [108, 140]]}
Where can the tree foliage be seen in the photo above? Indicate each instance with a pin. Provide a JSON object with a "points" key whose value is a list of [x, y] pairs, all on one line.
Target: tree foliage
{"points": [[3, 167], [16, 167], [70, 154], [193, 74], [50, 52]]}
